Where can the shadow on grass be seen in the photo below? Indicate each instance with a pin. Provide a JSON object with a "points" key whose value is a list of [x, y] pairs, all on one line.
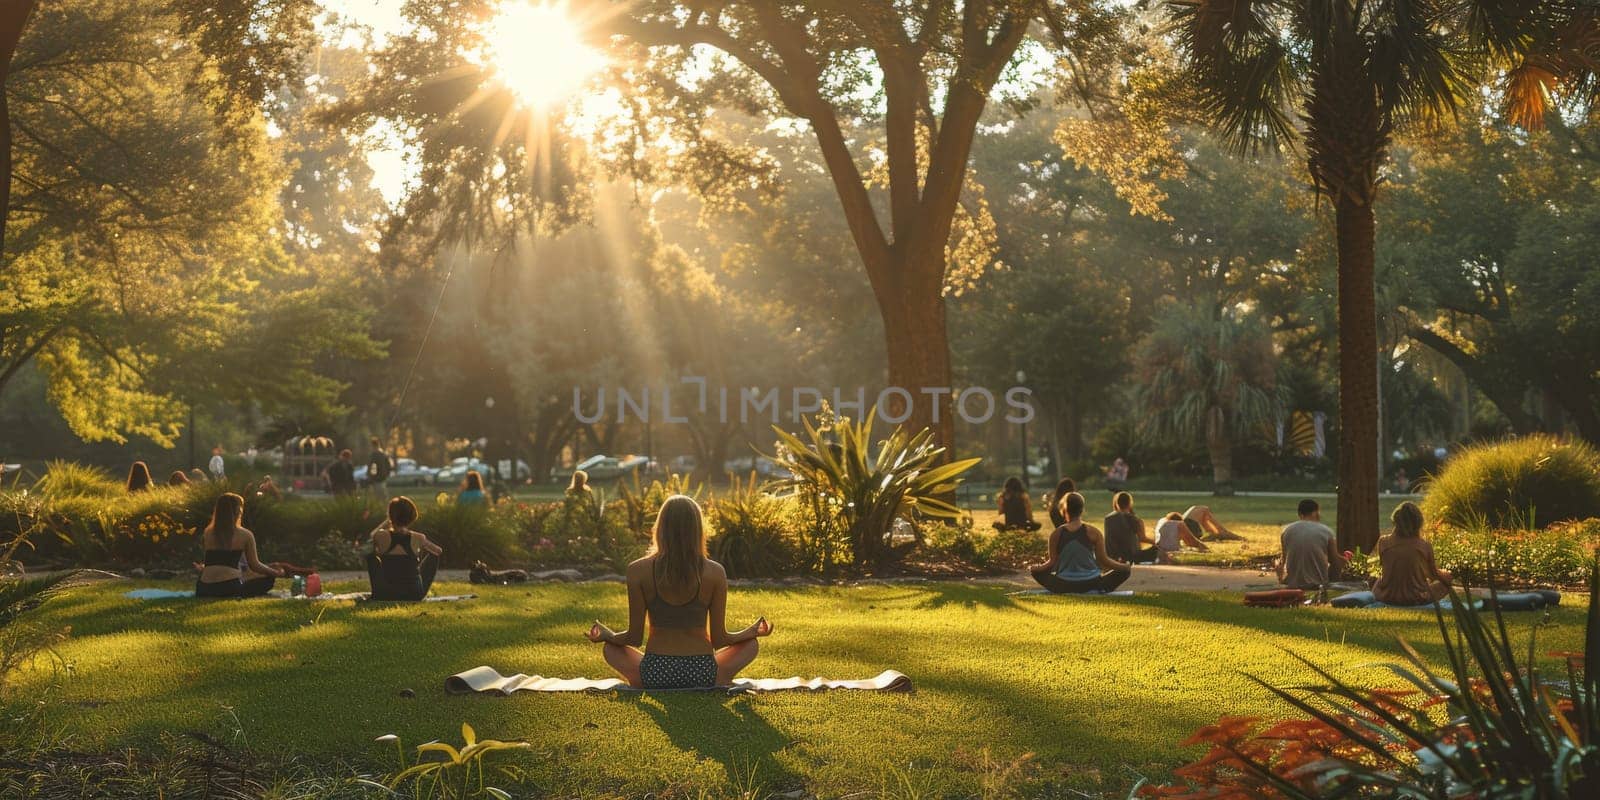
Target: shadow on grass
{"points": [[971, 596], [727, 730]]}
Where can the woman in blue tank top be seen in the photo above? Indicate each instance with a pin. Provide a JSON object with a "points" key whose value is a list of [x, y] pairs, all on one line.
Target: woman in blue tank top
{"points": [[1078, 560], [683, 597]]}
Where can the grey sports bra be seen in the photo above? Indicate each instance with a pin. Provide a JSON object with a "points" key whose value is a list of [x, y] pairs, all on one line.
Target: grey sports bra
{"points": [[663, 614]]}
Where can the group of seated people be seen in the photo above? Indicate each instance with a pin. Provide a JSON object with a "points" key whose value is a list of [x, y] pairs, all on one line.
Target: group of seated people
{"points": [[676, 593], [1408, 574], [400, 565]]}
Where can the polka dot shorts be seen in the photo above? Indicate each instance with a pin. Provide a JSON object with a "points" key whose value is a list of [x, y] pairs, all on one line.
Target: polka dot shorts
{"points": [[677, 672]]}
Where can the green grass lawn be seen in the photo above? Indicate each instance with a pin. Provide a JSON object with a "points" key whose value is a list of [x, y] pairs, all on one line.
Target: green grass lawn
{"points": [[1099, 690]]}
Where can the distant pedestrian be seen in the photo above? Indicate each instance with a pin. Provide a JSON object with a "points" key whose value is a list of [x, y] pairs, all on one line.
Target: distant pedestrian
{"points": [[379, 467], [218, 469], [341, 475]]}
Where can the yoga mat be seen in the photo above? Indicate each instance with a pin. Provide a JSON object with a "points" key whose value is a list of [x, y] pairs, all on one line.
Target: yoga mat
{"points": [[485, 680], [156, 594], [432, 598], [1117, 593], [280, 594]]}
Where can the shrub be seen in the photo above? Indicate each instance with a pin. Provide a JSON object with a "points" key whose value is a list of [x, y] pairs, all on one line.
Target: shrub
{"points": [[68, 479], [469, 533], [750, 533], [859, 489], [1537, 480], [1504, 730], [1558, 555], [641, 504]]}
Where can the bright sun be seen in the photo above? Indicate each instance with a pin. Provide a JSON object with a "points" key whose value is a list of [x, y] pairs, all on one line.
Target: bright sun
{"points": [[537, 51]]}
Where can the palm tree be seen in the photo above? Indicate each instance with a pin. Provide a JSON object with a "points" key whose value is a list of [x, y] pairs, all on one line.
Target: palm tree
{"points": [[1210, 376], [1354, 71]]}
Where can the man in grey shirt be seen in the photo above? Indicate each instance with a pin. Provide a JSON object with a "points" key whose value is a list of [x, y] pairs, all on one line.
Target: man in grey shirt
{"points": [[1311, 557]]}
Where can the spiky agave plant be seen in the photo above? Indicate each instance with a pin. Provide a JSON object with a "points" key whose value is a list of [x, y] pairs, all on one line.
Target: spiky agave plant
{"points": [[864, 488], [1491, 727]]}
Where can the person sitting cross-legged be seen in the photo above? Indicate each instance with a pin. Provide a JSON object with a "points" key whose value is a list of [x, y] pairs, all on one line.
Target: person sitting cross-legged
{"points": [[231, 567], [1311, 556], [1410, 576], [1078, 560], [1125, 536], [394, 569], [683, 597], [1016, 511]]}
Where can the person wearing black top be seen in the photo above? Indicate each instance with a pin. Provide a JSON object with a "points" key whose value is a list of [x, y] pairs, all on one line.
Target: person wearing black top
{"points": [[228, 549], [1065, 487], [1016, 512], [1126, 539], [341, 475], [394, 569], [379, 468]]}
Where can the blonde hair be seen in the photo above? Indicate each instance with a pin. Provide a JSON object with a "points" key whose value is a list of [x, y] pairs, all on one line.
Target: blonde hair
{"points": [[1407, 519], [580, 480], [679, 542]]}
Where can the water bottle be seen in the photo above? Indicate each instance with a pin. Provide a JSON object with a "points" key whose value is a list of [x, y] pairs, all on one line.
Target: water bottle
{"points": [[313, 585], [298, 587]]}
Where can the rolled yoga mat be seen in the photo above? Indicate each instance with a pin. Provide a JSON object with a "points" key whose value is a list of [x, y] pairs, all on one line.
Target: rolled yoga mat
{"points": [[1042, 591], [485, 680]]}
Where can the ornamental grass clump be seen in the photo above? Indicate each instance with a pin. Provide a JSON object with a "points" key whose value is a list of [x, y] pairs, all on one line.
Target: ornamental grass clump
{"points": [[1536, 481]]}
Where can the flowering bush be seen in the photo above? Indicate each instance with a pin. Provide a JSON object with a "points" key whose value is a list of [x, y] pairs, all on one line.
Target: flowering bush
{"points": [[1558, 555]]}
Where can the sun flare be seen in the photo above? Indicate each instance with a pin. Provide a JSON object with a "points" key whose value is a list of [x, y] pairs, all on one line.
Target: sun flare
{"points": [[537, 51]]}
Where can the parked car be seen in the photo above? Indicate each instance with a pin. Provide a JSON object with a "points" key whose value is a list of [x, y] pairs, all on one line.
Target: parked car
{"points": [[602, 468], [457, 470], [407, 472], [762, 466]]}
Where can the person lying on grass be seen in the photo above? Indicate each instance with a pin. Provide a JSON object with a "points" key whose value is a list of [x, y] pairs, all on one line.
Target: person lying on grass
{"points": [[1205, 525], [1077, 556], [683, 596], [226, 542], [394, 569], [1172, 535]]}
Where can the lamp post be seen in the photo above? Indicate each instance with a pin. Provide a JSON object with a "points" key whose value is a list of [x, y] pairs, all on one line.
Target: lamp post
{"points": [[1021, 378], [494, 467]]}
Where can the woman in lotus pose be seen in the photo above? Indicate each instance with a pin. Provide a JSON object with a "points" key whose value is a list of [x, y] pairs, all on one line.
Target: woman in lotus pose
{"points": [[683, 596], [393, 567], [226, 542], [1078, 556], [1410, 576]]}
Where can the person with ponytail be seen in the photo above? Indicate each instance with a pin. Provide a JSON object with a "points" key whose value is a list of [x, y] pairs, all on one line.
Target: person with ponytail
{"points": [[229, 549], [1410, 576], [403, 562], [682, 596], [1078, 560]]}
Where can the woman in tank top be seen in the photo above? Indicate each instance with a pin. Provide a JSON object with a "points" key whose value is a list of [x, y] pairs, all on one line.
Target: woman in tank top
{"points": [[1016, 510], [1078, 560], [403, 562], [682, 596], [229, 549]]}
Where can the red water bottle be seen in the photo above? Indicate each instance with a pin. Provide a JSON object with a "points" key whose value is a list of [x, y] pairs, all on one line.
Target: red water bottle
{"points": [[313, 585]]}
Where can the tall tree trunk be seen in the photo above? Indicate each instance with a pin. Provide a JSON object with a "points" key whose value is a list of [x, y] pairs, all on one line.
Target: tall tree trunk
{"points": [[13, 19], [918, 348], [1220, 447], [1358, 375]]}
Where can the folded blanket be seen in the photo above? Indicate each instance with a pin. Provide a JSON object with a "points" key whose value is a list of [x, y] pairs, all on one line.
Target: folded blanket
{"points": [[1368, 600], [1117, 593], [1275, 598], [485, 680]]}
